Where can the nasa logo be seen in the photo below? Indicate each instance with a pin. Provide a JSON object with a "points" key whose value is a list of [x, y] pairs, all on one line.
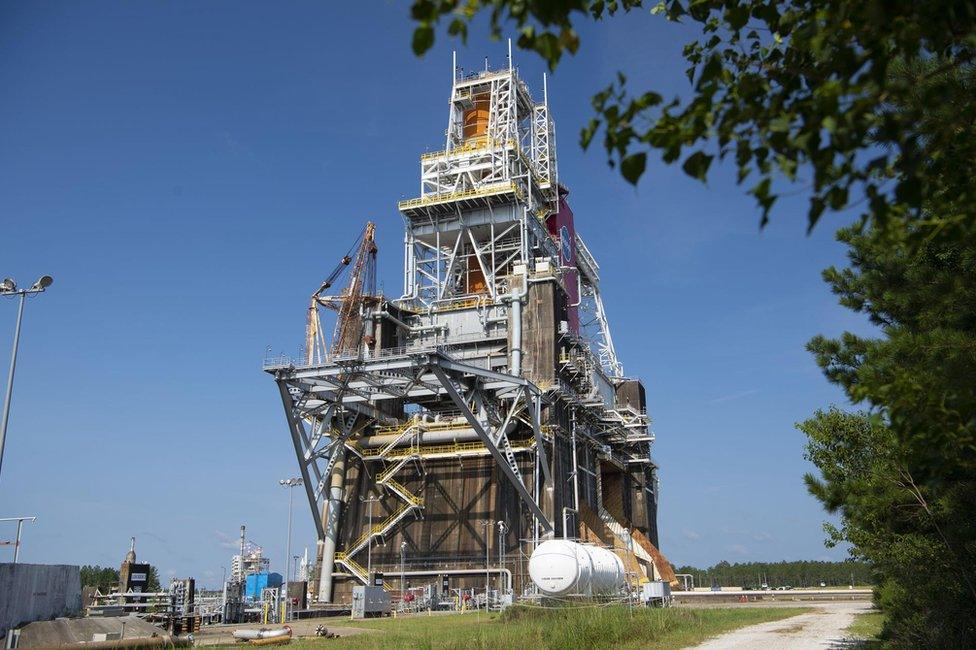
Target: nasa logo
{"points": [[567, 244]]}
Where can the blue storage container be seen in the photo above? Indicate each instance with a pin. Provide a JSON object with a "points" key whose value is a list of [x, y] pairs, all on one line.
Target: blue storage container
{"points": [[255, 583]]}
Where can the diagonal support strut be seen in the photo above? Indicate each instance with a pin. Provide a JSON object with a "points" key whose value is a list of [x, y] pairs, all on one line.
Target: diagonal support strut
{"points": [[492, 448]]}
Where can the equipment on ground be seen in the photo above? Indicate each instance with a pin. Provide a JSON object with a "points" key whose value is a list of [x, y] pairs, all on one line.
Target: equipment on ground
{"points": [[560, 567], [263, 634], [369, 600], [656, 593]]}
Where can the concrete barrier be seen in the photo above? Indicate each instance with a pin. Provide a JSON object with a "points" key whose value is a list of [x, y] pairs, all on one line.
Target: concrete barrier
{"points": [[37, 592]]}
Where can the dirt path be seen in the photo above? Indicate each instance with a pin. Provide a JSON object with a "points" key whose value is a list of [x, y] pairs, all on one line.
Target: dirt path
{"points": [[823, 628]]}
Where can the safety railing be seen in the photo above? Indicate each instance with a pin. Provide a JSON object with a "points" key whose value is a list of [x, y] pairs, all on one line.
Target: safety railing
{"points": [[488, 190], [392, 470], [422, 425], [380, 528], [404, 493], [354, 567], [278, 360], [473, 145], [426, 451]]}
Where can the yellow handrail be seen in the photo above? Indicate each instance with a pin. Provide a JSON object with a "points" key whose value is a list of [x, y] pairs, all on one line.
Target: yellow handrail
{"points": [[495, 188], [380, 528], [407, 494], [457, 447]]}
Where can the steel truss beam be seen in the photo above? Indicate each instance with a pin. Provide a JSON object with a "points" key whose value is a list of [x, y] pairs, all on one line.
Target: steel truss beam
{"points": [[506, 462], [340, 401]]}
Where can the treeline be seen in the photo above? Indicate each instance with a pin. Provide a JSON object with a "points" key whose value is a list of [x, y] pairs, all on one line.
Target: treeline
{"points": [[106, 578], [752, 575]]}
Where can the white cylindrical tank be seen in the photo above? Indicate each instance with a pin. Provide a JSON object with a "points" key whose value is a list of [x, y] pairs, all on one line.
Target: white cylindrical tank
{"points": [[560, 567]]}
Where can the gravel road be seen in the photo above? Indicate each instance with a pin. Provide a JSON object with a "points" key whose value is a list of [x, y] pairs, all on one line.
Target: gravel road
{"points": [[823, 628]]}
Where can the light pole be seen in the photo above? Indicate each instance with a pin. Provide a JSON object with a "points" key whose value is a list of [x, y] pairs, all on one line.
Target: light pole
{"points": [[369, 538], [403, 554], [502, 529], [487, 525], [20, 526], [9, 288], [288, 483]]}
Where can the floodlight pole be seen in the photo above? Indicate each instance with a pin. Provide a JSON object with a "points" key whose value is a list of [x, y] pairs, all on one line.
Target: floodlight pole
{"points": [[403, 552], [20, 527], [502, 529], [10, 376], [487, 525], [9, 288], [288, 483]]}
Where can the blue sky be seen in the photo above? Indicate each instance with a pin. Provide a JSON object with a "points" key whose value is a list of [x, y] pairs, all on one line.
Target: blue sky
{"points": [[188, 172]]}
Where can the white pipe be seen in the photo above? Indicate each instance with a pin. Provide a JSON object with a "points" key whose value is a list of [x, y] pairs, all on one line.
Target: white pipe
{"points": [[336, 490], [579, 291], [515, 298], [410, 328], [517, 337], [565, 512], [506, 572], [461, 434], [263, 633], [575, 464]]}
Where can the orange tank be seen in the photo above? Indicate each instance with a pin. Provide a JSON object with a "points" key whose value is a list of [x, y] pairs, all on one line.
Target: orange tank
{"points": [[476, 118], [476, 278]]}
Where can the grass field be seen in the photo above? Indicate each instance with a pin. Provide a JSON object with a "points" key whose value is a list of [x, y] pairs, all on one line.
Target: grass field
{"points": [[534, 629], [867, 627]]}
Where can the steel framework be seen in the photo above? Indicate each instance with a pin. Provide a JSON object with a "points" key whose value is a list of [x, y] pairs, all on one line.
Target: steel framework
{"points": [[474, 392]]}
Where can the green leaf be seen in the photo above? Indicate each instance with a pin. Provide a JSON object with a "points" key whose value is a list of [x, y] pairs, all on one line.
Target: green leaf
{"points": [[711, 70], [837, 197], [423, 39], [697, 164], [781, 124], [586, 136], [632, 167]]}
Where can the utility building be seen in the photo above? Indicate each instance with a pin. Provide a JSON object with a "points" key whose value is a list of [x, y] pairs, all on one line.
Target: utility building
{"points": [[486, 408]]}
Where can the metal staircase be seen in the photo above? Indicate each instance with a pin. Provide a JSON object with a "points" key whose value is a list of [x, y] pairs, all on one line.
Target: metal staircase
{"points": [[411, 504], [624, 535], [358, 570], [379, 529]]}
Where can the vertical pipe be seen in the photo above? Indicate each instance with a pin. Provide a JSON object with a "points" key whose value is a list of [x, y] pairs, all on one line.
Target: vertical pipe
{"points": [[576, 502], [536, 497], [334, 508], [406, 262], [494, 268], [517, 335], [369, 543], [10, 376], [438, 291]]}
